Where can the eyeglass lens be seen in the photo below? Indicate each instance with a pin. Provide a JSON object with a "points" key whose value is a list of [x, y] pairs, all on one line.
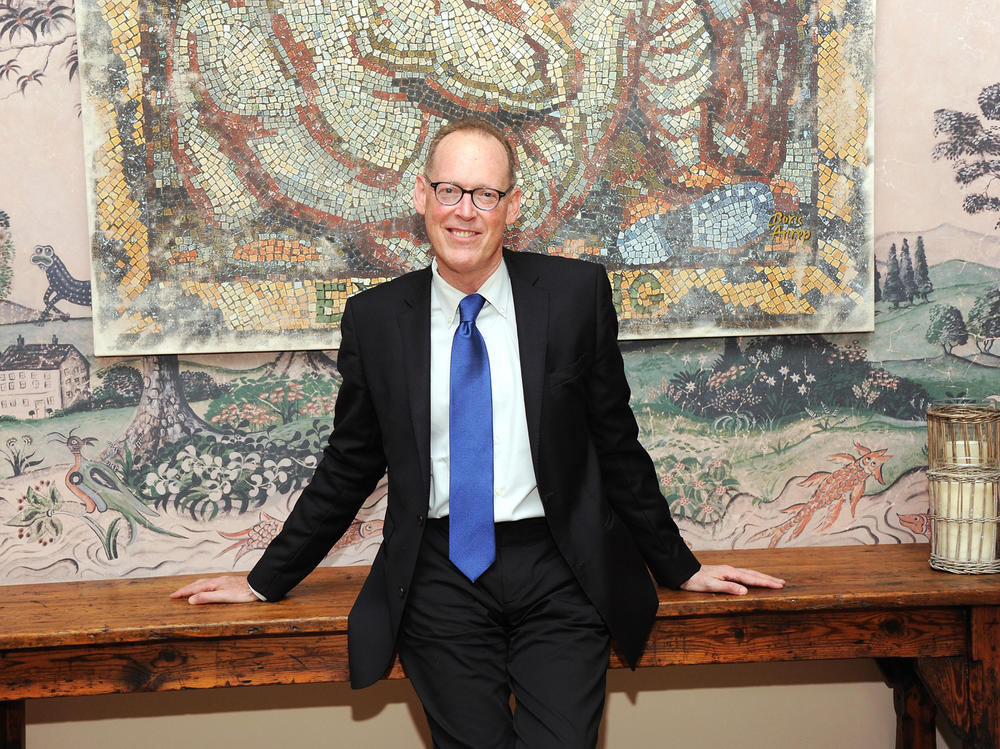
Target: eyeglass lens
{"points": [[484, 198]]}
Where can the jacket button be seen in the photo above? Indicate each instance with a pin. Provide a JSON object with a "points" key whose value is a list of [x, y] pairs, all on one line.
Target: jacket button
{"points": [[402, 591], [420, 519]]}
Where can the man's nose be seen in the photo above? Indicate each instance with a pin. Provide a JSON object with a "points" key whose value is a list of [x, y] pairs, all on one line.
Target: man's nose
{"points": [[465, 207]]}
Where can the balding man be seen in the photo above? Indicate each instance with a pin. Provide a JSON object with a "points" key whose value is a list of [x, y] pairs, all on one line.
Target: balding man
{"points": [[523, 516]]}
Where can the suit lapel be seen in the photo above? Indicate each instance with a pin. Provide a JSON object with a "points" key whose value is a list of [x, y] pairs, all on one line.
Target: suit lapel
{"points": [[531, 306], [415, 332]]}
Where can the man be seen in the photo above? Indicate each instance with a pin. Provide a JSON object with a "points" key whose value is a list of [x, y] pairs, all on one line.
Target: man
{"points": [[493, 374]]}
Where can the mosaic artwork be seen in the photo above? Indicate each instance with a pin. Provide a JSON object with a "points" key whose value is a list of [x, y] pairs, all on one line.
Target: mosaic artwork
{"points": [[251, 164]]}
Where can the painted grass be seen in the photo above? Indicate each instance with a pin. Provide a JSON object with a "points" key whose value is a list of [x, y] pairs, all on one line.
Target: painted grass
{"points": [[764, 458]]}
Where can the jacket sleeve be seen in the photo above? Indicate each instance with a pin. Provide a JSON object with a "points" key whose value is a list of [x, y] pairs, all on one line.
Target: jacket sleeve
{"points": [[627, 472], [351, 466]]}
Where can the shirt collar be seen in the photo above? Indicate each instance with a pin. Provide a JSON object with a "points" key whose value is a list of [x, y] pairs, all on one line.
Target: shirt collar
{"points": [[495, 290]]}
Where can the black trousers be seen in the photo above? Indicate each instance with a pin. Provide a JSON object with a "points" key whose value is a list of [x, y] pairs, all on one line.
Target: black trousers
{"points": [[524, 628]]}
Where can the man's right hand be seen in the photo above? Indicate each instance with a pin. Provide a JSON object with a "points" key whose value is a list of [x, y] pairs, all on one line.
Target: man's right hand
{"points": [[224, 589]]}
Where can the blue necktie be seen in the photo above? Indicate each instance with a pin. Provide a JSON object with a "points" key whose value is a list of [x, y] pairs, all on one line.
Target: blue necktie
{"points": [[471, 545]]}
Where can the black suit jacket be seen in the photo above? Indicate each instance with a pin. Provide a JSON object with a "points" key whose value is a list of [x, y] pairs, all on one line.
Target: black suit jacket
{"points": [[597, 484]]}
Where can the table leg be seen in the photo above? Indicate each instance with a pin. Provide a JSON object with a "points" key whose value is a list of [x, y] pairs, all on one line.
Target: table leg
{"points": [[984, 671], [915, 711], [12, 724], [967, 688]]}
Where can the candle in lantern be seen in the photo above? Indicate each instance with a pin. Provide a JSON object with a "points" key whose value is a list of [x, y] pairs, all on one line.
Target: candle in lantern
{"points": [[962, 452], [975, 539]]}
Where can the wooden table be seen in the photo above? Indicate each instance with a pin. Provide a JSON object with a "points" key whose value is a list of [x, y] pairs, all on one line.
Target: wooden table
{"points": [[936, 635]]}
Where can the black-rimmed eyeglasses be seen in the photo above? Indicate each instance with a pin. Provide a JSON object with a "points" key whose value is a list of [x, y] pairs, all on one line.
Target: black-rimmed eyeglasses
{"points": [[484, 198]]}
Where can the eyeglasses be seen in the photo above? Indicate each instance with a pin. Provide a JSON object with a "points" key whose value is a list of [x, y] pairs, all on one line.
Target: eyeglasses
{"points": [[484, 198]]}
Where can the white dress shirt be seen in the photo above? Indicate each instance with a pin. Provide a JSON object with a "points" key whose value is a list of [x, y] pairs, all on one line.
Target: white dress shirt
{"points": [[515, 495]]}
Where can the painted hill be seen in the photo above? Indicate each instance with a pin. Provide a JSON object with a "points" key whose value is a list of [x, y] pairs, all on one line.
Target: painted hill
{"points": [[904, 350], [962, 275], [12, 313], [943, 243]]}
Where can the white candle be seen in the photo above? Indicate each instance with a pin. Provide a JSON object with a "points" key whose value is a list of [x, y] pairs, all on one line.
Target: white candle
{"points": [[962, 452], [974, 541]]}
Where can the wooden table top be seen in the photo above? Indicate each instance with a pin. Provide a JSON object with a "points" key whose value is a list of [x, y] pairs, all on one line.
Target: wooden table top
{"points": [[140, 610]]}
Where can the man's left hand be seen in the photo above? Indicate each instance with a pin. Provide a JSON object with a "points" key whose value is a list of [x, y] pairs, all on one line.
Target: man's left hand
{"points": [[721, 578]]}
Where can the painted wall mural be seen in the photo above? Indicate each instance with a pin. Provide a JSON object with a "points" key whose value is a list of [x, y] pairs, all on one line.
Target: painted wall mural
{"points": [[251, 164], [166, 464]]}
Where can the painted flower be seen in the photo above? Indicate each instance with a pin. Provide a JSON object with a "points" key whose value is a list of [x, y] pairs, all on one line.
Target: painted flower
{"points": [[188, 457], [257, 485], [707, 512], [165, 480], [216, 490]]}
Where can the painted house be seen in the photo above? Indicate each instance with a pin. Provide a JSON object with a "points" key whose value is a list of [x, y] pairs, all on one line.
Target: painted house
{"points": [[37, 379]]}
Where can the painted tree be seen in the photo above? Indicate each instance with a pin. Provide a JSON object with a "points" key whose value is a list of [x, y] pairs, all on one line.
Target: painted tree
{"points": [[6, 255], [984, 320], [947, 327], [163, 414], [878, 287], [893, 289], [907, 284], [974, 148], [31, 32], [731, 353], [123, 379], [921, 274]]}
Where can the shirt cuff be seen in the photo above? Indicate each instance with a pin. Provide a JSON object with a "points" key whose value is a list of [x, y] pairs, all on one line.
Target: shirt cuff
{"points": [[259, 596]]}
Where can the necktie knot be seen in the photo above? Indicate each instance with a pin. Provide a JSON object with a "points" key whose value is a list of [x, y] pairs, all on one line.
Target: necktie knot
{"points": [[470, 307]]}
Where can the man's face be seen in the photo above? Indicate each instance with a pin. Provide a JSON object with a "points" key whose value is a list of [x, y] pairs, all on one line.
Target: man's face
{"points": [[467, 241]]}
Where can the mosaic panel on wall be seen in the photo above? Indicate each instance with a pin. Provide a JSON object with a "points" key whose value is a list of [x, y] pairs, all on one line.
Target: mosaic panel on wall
{"points": [[251, 164]]}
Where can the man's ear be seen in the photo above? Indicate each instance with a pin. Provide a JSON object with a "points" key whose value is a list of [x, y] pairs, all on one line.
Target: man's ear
{"points": [[420, 194], [513, 205]]}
